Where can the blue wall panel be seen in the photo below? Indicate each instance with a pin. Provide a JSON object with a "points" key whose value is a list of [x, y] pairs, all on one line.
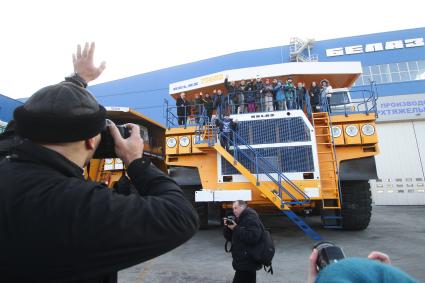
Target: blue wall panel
{"points": [[7, 106], [400, 88]]}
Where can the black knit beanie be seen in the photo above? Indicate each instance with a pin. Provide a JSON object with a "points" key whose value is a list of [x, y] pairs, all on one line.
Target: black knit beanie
{"points": [[60, 113]]}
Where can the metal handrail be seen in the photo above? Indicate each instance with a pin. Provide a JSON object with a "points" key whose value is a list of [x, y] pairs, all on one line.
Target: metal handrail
{"points": [[281, 188], [373, 97], [172, 119]]}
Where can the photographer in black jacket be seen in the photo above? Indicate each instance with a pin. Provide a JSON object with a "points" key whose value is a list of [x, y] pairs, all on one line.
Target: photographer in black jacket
{"points": [[55, 226], [244, 232]]}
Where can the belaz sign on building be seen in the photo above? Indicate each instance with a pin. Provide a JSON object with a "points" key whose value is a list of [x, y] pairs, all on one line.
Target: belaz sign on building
{"points": [[375, 47]]}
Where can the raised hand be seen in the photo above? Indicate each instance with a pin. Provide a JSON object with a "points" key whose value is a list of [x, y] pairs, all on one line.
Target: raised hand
{"points": [[83, 63]]}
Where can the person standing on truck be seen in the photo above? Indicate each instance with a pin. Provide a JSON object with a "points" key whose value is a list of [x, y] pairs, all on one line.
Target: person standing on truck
{"points": [[280, 97], [267, 92], [259, 99], [208, 105], [250, 96], [58, 227], [241, 97], [325, 96], [219, 103], [289, 90], [198, 107], [182, 109], [244, 232], [227, 126], [300, 93], [231, 95], [314, 96]]}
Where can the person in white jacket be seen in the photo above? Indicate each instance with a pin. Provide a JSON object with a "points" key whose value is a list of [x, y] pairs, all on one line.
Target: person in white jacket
{"points": [[325, 95]]}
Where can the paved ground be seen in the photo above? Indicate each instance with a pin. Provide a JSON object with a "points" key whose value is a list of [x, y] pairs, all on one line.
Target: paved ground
{"points": [[396, 230]]}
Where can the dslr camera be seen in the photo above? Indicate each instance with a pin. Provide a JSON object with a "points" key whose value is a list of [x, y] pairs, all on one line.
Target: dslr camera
{"points": [[230, 220], [328, 253], [106, 148]]}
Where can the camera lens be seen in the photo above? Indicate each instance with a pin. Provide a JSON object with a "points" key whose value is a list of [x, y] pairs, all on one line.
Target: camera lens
{"points": [[328, 253]]}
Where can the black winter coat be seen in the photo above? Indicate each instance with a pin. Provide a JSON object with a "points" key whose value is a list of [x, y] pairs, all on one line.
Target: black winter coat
{"points": [[219, 101], [57, 227], [208, 103], [232, 91], [183, 109], [245, 235], [315, 93]]}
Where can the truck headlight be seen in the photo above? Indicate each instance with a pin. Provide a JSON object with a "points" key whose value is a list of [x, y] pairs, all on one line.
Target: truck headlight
{"points": [[184, 141], [171, 142], [351, 130], [336, 131], [368, 129]]}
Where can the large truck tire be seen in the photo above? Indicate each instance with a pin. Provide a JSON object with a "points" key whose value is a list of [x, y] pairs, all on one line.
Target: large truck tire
{"points": [[200, 207], [356, 205]]}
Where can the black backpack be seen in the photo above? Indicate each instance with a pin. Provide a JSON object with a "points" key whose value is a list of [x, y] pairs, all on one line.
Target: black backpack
{"points": [[264, 250]]}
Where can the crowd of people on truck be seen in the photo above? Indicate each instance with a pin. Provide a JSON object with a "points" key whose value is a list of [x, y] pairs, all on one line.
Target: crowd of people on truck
{"points": [[256, 95]]}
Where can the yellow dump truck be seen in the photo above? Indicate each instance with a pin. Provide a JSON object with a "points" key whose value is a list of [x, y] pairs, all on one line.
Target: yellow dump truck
{"points": [[310, 160], [314, 160]]}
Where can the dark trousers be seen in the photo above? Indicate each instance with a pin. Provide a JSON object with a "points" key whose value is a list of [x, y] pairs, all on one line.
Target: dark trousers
{"points": [[243, 276], [182, 120], [225, 139], [329, 104]]}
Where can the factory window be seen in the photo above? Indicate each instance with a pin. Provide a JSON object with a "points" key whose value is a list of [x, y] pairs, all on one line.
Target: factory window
{"points": [[394, 72]]}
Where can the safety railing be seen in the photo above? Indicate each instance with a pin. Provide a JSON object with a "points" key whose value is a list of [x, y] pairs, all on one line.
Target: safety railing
{"points": [[368, 102], [262, 166], [257, 101], [184, 116], [365, 102]]}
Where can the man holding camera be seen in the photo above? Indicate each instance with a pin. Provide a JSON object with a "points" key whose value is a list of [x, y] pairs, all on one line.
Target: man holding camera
{"points": [[244, 231], [55, 226]]}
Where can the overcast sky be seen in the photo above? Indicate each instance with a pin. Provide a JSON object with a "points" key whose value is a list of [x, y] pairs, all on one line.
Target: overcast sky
{"points": [[134, 37]]}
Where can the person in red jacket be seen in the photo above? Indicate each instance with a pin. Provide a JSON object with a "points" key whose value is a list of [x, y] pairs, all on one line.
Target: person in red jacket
{"points": [[58, 227]]}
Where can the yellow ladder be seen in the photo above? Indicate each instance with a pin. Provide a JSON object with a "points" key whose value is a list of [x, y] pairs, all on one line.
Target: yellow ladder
{"points": [[327, 162]]}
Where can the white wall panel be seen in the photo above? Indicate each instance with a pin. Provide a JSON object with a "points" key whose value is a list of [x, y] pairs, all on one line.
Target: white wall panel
{"points": [[419, 127], [399, 157], [400, 164]]}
